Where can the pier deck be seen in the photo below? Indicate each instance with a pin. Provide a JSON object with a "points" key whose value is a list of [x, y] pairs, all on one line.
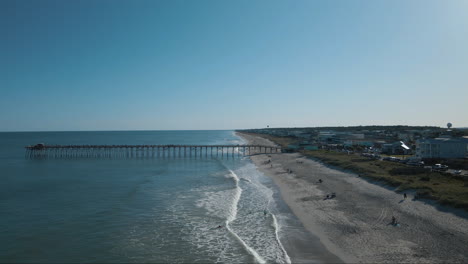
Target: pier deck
{"points": [[131, 151]]}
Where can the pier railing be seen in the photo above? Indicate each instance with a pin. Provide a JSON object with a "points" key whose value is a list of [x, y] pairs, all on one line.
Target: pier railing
{"points": [[136, 151]]}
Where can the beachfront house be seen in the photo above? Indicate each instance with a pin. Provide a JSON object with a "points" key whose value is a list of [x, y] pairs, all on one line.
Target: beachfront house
{"points": [[443, 147], [365, 143], [326, 135], [311, 147], [394, 148]]}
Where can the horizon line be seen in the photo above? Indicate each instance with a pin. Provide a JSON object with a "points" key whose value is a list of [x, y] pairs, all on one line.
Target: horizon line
{"points": [[142, 130]]}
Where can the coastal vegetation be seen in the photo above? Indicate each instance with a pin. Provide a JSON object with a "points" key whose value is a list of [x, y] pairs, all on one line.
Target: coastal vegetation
{"points": [[443, 187]]}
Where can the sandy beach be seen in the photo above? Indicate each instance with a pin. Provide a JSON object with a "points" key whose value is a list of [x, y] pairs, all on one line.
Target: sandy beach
{"points": [[356, 224]]}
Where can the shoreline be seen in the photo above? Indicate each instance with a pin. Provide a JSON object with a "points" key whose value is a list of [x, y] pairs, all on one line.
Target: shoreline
{"points": [[300, 245], [354, 226]]}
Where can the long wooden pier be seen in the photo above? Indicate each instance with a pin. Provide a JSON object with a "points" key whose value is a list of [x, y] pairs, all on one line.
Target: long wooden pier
{"points": [[145, 151]]}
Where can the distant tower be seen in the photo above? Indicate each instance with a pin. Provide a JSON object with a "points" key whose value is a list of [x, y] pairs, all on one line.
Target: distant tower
{"points": [[449, 125], [268, 126]]}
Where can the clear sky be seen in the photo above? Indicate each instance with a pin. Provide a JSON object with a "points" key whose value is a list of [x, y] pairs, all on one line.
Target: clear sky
{"points": [[133, 65]]}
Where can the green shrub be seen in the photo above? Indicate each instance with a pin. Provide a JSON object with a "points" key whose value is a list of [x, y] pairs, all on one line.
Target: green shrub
{"points": [[425, 178], [407, 171]]}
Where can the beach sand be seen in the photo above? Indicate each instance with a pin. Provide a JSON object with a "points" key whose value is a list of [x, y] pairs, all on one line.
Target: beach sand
{"points": [[355, 225]]}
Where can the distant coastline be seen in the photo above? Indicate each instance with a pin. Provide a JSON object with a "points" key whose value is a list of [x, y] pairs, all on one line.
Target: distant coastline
{"points": [[376, 152]]}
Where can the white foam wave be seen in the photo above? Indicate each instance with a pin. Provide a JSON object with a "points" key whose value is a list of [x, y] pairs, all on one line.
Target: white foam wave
{"points": [[232, 217], [236, 198], [217, 203], [211, 244], [242, 208], [272, 247], [277, 229]]}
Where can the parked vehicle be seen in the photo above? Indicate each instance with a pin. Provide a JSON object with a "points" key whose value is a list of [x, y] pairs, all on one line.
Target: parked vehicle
{"points": [[416, 163], [440, 167]]}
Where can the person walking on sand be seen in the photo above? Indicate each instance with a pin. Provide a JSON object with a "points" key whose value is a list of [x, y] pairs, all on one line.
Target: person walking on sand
{"points": [[404, 195]]}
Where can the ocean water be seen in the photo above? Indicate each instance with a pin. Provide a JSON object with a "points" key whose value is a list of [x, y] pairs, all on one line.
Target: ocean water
{"points": [[135, 209]]}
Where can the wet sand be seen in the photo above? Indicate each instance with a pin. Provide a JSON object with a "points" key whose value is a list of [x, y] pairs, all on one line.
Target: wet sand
{"points": [[301, 245], [355, 225]]}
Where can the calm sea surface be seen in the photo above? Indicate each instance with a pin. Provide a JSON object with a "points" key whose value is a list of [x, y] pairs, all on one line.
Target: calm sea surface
{"points": [[135, 209]]}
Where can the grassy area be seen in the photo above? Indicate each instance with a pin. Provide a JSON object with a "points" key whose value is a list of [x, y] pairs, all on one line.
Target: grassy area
{"points": [[396, 156], [445, 188]]}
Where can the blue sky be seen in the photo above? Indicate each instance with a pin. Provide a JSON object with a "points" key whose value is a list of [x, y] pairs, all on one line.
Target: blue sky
{"points": [[132, 65]]}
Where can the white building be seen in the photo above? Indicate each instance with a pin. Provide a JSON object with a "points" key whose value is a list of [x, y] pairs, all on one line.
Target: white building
{"points": [[443, 147]]}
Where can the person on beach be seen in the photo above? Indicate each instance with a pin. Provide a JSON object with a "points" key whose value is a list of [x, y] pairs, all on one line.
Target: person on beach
{"points": [[320, 180], [404, 195], [394, 221]]}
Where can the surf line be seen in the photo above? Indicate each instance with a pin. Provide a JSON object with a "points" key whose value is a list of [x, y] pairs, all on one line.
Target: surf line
{"points": [[276, 227], [232, 216]]}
